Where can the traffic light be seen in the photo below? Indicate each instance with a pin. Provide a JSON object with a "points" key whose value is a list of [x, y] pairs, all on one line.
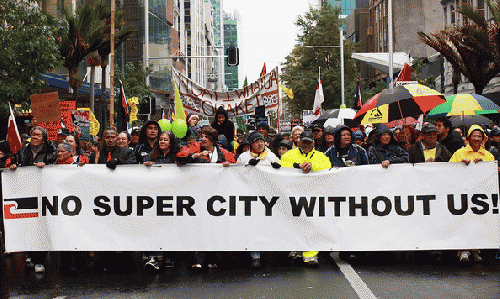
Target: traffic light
{"points": [[233, 56], [147, 106]]}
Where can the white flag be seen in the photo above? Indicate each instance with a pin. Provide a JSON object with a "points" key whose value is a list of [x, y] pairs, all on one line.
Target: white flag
{"points": [[319, 98]]}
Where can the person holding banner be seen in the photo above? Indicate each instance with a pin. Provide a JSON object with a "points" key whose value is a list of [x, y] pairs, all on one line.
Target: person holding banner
{"points": [[260, 154], [38, 152], [306, 158], [296, 131], [111, 154], [164, 151], [147, 138], [385, 149], [475, 152], [206, 151], [344, 153], [429, 149]]}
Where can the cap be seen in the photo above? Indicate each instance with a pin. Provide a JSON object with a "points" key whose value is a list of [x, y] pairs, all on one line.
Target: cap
{"points": [[135, 131], [317, 126], [286, 143], [427, 128], [329, 130], [474, 128], [358, 135], [254, 137], [307, 136], [495, 132]]}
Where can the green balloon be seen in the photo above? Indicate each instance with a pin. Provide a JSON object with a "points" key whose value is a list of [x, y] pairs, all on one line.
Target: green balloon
{"points": [[165, 124], [179, 127]]}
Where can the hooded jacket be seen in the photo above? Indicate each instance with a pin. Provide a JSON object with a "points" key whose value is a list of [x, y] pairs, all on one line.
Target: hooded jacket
{"points": [[355, 153], [392, 152], [227, 127]]}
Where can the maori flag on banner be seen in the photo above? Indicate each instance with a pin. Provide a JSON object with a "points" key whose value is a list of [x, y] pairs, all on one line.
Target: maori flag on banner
{"points": [[197, 99]]}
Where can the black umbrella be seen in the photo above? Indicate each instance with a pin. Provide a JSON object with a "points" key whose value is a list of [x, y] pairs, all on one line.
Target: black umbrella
{"points": [[469, 120]]}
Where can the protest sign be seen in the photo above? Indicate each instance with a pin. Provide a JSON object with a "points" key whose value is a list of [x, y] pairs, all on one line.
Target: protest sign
{"points": [[197, 99], [65, 116], [45, 107], [426, 206]]}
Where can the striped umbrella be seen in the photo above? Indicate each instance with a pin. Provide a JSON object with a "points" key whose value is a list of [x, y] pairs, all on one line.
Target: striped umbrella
{"points": [[400, 102], [465, 104]]}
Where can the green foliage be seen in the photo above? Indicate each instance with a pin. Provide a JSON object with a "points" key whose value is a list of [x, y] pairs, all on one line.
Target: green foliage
{"points": [[28, 40], [472, 48], [319, 28], [133, 78]]}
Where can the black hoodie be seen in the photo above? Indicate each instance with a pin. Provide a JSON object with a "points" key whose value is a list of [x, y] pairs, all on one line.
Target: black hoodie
{"points": [[226, 128], [392, 152]]}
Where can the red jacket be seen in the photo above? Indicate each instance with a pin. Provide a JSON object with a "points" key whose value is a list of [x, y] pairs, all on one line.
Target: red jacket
{"points": [[186, 154]]}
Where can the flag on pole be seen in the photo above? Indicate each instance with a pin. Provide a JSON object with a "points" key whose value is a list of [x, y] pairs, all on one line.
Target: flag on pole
{"points": [[122, 119], [13, 134], [179, 108], [264, 71], [405, 74], [319, 98], [288, 91], [358, 101]]}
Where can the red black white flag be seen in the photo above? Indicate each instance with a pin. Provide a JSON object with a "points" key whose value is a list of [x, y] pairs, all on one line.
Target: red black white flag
{"points": [[13, 136]]}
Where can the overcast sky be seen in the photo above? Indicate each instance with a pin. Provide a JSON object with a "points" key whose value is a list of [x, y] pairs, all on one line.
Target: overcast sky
{"points": [[266, 32]]}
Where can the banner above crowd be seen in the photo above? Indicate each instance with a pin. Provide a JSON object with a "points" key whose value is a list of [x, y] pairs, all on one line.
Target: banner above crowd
{"points": [[197, 99], [426, 206]]}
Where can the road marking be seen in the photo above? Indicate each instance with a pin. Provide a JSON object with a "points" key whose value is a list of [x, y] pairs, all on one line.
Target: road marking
{"points": [[357, 284]]}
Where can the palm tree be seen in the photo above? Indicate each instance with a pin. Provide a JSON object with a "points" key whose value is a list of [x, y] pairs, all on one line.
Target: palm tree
{"points": [[85, 35], [472, 49]]}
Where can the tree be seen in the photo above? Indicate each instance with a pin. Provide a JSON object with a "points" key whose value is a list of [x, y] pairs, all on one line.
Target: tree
{"points": [[133, 78], [319, 28], [29, 48], [472, 48], [85, 34]]}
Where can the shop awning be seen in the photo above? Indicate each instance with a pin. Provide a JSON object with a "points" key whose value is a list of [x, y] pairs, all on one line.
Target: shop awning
{"points": [[60, 81], [380, 61]]}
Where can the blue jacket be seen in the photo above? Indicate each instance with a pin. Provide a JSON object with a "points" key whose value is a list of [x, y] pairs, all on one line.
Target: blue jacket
{"points": [[356, 154]]}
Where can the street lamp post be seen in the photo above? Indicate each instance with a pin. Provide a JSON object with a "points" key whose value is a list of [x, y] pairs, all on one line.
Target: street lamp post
{"points": [[342, 83], [342, 103]]}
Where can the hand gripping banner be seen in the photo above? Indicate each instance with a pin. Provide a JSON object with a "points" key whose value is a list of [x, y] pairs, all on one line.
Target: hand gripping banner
{"points": [[426, 206]]}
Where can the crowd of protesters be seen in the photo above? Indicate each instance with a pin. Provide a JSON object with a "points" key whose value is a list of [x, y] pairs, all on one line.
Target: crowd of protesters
{"points": [[309, 149]]}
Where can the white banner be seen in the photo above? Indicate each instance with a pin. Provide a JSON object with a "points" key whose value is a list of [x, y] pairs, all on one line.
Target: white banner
{"points": [[197, 99], [209, 207]]}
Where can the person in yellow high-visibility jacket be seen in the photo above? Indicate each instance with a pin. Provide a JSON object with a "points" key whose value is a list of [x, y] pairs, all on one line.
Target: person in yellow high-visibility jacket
{"points": [[308, 159]]}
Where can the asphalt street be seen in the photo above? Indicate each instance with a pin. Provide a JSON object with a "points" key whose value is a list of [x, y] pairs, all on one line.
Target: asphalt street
{"points": [[374, 275]]}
